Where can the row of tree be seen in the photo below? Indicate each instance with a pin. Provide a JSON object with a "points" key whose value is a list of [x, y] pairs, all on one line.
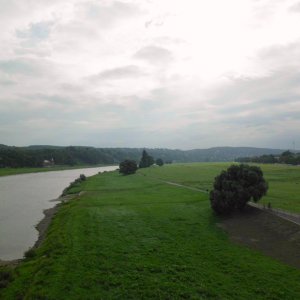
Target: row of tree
{"points": [[17, 157], [35, 156], [128, 166], [287, 157]]}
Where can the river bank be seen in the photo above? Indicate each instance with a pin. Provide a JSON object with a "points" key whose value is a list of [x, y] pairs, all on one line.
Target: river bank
{"points": [[23, 200], [16, 171], [41, 227]]}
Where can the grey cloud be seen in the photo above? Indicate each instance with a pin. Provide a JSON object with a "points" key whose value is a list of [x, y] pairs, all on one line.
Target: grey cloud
{"points": [[130, 71], [36, 31], [108, 15], [295, 7], [281, 85], [167, 40], [17, 66], [263, 10], [36, 69], [261, 103], [280, 56], [7, 82], [154, 22], [154, 54]]}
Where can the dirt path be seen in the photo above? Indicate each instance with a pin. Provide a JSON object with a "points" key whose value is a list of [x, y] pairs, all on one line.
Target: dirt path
{"points": [[186, 187], [266, 232], [295, 218]]}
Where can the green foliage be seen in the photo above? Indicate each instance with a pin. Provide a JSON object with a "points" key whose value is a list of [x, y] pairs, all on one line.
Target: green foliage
{"points": [[5, 277], [73, 187], [146, 160], [33, 156], [159, 162], [235, 187], [286, 157], [134, 237], [82, 177], [128, 167], [30, 253]]}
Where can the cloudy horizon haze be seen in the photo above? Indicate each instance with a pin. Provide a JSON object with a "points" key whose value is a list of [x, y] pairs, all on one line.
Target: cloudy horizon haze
{"points": [[150, 73]]}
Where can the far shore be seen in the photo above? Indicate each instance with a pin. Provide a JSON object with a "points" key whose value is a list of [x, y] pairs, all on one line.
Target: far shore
{"points": [[16, 171]]}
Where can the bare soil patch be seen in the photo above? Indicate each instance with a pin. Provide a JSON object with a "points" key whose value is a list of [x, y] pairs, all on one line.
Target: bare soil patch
{"points": [[265, 232]]}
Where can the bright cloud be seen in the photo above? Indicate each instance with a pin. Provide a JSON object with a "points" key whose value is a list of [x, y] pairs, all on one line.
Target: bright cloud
{"points": [[159, 73]]}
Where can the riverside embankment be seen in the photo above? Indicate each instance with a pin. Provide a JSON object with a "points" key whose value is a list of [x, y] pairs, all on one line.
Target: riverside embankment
{"points": [[22, 202]]}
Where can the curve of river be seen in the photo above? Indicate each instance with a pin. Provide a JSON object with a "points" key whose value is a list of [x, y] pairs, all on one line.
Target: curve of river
{"points": [[23, 198]]}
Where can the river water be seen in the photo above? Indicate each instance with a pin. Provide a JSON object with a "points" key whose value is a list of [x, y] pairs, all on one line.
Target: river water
{"points": [[22, 201]]}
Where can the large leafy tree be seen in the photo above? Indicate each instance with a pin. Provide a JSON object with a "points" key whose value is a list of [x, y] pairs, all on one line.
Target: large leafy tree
{"points": [[236, 186], [128, 167], [146, 160]]}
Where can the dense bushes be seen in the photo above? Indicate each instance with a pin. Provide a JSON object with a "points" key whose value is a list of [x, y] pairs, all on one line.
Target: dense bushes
{"points": [[146, 160], [73, 184], [287, 157], [127, 167], [159, 162], [235, 187]]}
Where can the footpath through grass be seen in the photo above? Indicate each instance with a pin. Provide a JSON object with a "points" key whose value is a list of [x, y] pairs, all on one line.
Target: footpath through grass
{"points": [[134, 237]]}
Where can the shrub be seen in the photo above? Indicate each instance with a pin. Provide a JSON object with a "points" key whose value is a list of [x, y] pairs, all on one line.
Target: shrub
{"points": [[159, 162], [235, 187], [146, 160], [30, 253], [128, 167], [82, 177], [5, 278]]}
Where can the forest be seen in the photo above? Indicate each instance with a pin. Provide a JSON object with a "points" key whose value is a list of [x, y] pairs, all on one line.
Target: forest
{"points": [[286, 157], [34, 156]]}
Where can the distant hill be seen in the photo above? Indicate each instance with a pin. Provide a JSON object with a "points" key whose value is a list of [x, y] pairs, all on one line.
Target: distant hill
{"points": [[33, 156], [228, 153]]}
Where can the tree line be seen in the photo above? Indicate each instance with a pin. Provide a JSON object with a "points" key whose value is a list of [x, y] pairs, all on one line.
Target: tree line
{"points": [[35, 156], [18, 157], [286, 157], [128, 166]]}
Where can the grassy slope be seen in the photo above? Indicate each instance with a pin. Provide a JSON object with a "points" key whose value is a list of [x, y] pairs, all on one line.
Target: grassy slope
{"points": [[15, 171], [284, 180], [132, 237]]}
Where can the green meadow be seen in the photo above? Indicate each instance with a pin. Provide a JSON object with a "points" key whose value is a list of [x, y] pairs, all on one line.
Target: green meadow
{"points": [[283, 180], [136, 237]]}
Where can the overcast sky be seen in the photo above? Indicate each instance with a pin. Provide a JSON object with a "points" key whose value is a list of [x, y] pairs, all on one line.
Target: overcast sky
{"points": [[150, 73]]}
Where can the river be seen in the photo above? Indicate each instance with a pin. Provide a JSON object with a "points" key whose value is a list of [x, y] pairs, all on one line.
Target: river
{"points": [[23, 198]]}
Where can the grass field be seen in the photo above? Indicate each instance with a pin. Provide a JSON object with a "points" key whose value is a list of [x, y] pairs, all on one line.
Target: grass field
{"points": [[135, 237], [284, 180], [15, 171]]}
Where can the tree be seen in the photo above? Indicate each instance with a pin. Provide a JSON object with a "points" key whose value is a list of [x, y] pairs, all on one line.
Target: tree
{"points": [[159, 162], [146, 160], [128, 167], [235, 187]]}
